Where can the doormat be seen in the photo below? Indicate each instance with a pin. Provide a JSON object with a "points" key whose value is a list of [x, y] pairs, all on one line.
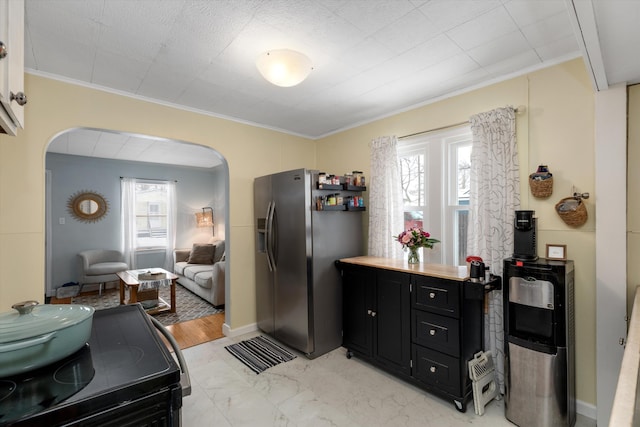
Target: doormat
{"points": [[259, 354], [189, 306]]}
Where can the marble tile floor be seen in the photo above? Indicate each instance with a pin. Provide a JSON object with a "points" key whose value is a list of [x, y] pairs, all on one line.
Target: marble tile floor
{"points": [[328, 391]]}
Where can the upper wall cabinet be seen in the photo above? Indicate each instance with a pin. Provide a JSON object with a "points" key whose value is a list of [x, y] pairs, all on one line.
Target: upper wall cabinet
{"points": [[12, 97]]}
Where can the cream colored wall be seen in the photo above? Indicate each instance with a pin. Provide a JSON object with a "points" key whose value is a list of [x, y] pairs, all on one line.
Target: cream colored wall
{"points": [[633, 201], [556, 128], [55, 106]]}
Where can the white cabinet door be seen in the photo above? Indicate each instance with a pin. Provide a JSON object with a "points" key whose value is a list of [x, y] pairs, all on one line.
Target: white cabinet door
{"points": [[12, 65]]}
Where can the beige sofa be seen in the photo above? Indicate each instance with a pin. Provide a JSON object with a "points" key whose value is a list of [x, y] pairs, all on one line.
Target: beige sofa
{"points": [[201, 270]]}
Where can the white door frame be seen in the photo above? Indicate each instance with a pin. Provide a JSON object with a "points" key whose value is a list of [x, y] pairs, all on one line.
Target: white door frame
{"points": [[48, 275], [611, 242]]}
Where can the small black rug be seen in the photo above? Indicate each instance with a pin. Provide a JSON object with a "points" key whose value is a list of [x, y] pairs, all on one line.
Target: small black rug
{"points": [[259, 353]]}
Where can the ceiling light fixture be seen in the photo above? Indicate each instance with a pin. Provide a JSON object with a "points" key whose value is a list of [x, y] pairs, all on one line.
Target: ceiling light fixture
{"points": [[284, 67]]}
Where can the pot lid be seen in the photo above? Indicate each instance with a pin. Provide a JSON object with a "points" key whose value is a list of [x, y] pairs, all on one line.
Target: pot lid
{"points": [[32, 320]]}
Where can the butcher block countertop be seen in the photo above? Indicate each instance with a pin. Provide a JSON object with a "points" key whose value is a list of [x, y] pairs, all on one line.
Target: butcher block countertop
{"points": [[625, 411], [433, 270]]}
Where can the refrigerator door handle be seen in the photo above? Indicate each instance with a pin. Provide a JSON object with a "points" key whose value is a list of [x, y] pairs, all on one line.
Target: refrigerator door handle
{"points": [[269, 232]]}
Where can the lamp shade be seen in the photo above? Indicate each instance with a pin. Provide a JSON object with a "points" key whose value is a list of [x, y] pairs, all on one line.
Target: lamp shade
{"points": [[205, 218], [284, 67]]}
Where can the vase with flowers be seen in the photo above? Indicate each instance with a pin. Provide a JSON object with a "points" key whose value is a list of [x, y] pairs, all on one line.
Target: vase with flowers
{"points": [[414, 239]]}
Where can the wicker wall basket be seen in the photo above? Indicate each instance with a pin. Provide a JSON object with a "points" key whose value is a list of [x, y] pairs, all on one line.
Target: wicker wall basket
{"points": [[541, 188], [573, 218]]}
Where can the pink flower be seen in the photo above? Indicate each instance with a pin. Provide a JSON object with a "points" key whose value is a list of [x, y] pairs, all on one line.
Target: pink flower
{"points": [[416, 238]]}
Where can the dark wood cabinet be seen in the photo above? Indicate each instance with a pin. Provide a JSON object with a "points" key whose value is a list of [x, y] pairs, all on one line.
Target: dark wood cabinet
{"points": [[358, 287], [421, 328], [447, 331], [373, 323], [436, 295], [392, 329]]}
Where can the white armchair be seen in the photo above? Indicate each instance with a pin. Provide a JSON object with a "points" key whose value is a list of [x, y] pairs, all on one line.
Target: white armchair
{"points": [[100, 266]]}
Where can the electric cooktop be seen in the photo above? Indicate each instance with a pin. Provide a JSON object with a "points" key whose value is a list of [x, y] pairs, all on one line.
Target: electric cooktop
{"points": [[123, 361]]}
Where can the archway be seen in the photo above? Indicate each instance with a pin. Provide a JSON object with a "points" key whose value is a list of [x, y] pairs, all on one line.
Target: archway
{"points": [[83, 159]]}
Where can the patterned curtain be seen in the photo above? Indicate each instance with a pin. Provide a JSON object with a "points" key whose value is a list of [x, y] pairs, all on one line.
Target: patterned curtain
{"points": [[495, 195], [386, 211]]}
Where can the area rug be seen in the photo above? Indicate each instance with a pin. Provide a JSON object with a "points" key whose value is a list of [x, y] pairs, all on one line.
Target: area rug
{"points": [[259, 353], [189, 306]]}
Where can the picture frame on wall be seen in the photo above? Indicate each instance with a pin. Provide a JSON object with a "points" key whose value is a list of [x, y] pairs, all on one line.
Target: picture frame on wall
{"points": [[556, 252]]}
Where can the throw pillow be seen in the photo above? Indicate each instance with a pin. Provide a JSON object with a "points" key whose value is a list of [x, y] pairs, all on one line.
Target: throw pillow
{"points": [[217, 254], [201, 254]]}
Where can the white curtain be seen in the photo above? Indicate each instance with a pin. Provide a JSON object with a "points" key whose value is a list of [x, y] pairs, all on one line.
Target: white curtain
{"points": [[494, 196], [128, 221], [128, 204], [386, 211], [172, 212]]}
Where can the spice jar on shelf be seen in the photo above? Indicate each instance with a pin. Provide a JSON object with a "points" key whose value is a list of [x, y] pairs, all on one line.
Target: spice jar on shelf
{"points": [[358, 179]]}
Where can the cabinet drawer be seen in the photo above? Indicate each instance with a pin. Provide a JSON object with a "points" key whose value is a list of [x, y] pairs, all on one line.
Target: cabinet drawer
{"points": [[437, 369], [437, 332], [437, 295]]}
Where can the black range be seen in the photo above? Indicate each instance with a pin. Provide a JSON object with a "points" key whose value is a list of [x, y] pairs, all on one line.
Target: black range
{"points": [[125, 375]]}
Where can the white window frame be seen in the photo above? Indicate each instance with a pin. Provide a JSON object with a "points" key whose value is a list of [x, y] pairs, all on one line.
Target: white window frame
{"points": [[440, 198]]}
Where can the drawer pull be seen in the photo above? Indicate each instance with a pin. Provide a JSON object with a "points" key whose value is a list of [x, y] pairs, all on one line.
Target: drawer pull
{"points": [[432, 295], [432, 369], [432, 332]]}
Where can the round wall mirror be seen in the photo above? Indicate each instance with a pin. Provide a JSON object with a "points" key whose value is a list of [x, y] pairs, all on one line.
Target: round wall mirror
{"points": [[87, 206]]}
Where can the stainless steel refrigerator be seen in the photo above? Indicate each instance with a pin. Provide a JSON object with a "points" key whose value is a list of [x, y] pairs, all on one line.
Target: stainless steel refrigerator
{"points": [[298, 287]]}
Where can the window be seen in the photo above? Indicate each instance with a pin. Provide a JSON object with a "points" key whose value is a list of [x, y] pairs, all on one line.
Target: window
{"points": [[151, 207], [435, 173]]}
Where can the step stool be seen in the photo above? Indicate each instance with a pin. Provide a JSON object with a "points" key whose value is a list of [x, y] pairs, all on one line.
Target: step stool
{"points": [[483, 376]]}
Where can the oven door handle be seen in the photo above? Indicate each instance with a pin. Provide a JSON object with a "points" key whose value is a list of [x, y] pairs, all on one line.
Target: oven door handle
{"points": [[185, 381]]}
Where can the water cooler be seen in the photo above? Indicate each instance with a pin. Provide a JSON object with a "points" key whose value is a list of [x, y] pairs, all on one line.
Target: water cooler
{"points": [[539, 342]]}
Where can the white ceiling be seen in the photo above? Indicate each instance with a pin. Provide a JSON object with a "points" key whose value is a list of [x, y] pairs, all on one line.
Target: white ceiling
{"points": [[130, 147], [372, 58]]}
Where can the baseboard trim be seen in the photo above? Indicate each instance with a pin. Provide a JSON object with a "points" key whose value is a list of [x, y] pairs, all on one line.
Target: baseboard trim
{"points": [[228, 332], [586, 409]]}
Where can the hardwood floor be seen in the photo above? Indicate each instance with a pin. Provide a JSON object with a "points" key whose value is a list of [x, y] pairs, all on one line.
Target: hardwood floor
{"points": [[187, 334], [197, 331]]}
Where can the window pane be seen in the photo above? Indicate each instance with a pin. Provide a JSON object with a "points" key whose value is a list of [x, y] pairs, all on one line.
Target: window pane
{"points": [[413, 219], [413, 179], [463, 167], [151, 214], [461, 224]]}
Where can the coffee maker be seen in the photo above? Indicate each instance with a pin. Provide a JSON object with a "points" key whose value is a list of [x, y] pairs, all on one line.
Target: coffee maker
{"points": [[524, 239]]}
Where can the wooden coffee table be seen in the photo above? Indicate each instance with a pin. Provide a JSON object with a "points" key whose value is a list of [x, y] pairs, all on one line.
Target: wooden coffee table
{"points": [[129, 280]]}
